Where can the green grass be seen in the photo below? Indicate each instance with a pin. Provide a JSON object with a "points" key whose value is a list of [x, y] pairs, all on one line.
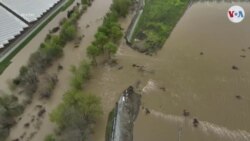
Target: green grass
{"points": [[7, 61], [158, 20]]}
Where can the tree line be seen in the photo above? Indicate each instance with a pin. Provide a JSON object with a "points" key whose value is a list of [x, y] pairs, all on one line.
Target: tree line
{"points": [[27, 81], [78, 112], [109, 34]]}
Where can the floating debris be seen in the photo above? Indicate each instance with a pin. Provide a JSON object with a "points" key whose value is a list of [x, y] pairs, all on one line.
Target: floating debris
{"points": [[195, 122], [235, 68], [243, 56], [26, 125], [185, 113], [147, 111], [238, 97], [162, 88], [59, 67], [41, 112], [120, 67]]}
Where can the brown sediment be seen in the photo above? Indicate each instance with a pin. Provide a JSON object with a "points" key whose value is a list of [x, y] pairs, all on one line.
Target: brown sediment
{"points": [[38, 111]]}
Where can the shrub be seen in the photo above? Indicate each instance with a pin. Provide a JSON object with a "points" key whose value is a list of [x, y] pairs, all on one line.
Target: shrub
{"points": [[50, 138]]}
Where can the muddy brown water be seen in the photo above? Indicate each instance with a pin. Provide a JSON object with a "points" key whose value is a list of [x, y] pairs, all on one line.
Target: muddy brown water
{"points": [[205, 85], [41, 127]]}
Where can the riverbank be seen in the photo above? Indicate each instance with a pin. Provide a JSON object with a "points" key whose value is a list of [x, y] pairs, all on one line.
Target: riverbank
{"points": [[154, 22]]}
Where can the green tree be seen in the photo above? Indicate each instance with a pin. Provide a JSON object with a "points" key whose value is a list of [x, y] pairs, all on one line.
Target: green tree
{"points": [[110, 48], [116, 33], [121, 7], [9, 106], [50, 138], [78, 109], [101, 39], [68, 31], [85, 2], [93, 51], [80, 75]]}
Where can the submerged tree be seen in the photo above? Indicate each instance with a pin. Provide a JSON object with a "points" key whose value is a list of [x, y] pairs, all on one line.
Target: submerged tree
{"points": [[121, 6], [110, 48], [101, 39], [77, 112], [93, 51], [80, 75]]}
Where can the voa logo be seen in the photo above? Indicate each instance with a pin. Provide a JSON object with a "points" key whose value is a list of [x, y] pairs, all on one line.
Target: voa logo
{"points": [[236, 14]]}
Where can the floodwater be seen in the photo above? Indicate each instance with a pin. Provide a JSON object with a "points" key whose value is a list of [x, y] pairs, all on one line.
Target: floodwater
{"points": [[195, 68], [40, 127], [205, 85]]}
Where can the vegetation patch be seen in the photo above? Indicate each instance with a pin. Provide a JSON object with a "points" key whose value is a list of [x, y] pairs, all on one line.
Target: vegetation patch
{"points": [[76, 115], [50, 138], [9, 109], [110, 33], [27, 81], [78, 112], [157, 21], [49, 51]]}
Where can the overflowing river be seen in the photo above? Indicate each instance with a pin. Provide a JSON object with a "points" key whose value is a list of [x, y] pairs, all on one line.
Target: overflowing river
{"points": [[193, 71]]}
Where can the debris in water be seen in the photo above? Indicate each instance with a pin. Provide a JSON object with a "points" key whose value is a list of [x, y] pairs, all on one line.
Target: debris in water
{"points": [[39, 106], [235, 68], [195, 122], [23, 135], [163, 88], [201, 53], [186, 113], [147, 111], [243, 56], [137, 84], [243, 50], [238, 97], [33, 119], [120, 67], [26, 125], [59, 67], [41, 112]]}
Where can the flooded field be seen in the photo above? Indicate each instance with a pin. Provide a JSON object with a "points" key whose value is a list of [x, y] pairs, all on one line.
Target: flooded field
{"points": [[40, 127], [193, 71]]}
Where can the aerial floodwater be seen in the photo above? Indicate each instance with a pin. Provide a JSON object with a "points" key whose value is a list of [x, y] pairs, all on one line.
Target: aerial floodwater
{"points": [[196, 88], [202, 68]]}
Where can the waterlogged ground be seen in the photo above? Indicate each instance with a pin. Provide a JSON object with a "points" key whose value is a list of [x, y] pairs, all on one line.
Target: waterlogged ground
{"points": [[40, 127], [193, 71]]}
